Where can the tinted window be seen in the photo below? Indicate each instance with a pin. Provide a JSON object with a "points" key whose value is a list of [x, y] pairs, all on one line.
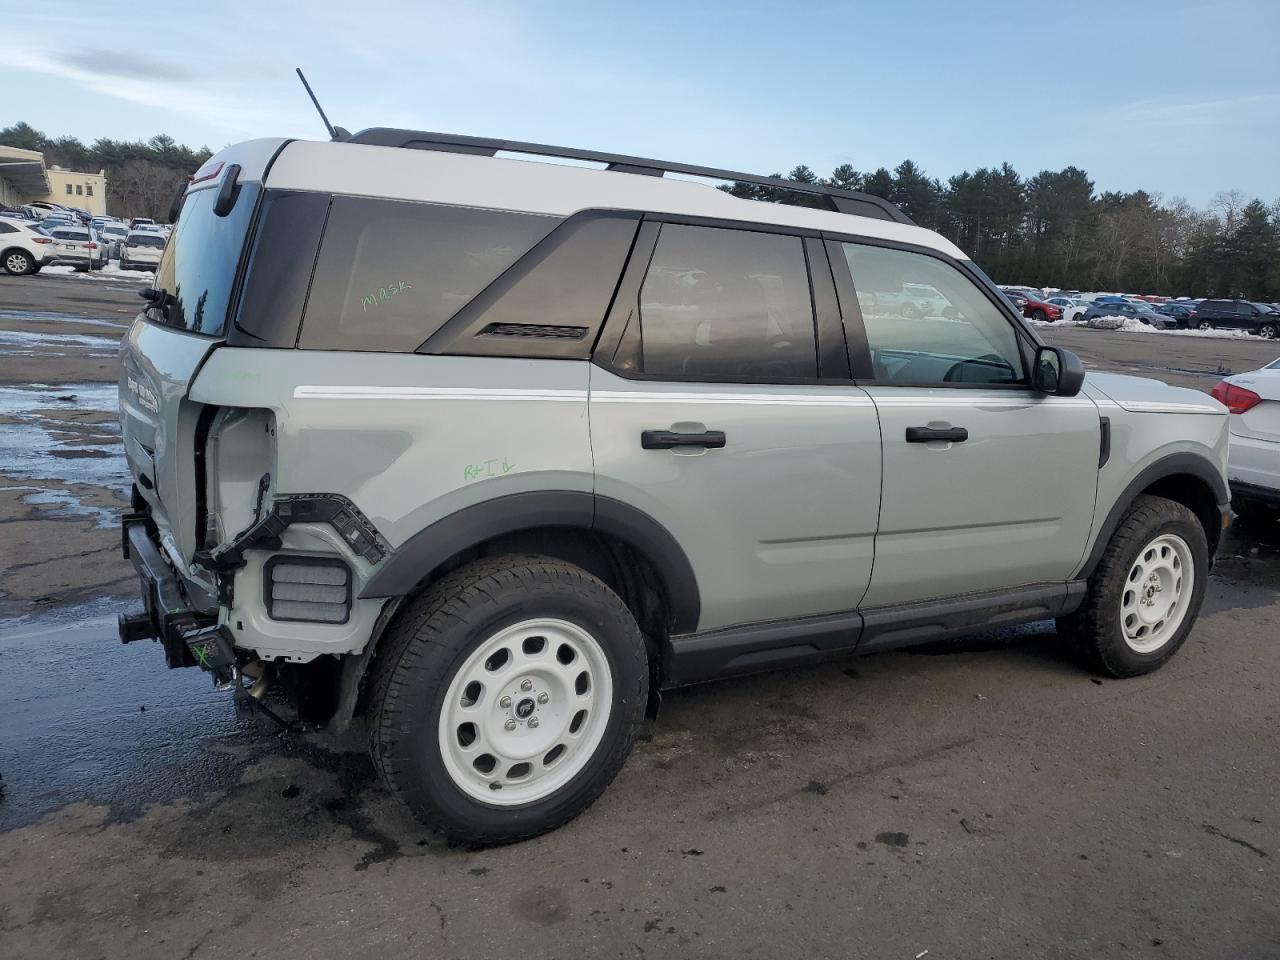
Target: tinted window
{"points": [[199, 267], [963, 338], [727, 304], [146, 241], [5, 228], [390, 273]]}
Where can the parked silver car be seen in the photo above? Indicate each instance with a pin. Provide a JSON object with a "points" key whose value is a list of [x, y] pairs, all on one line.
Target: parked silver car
{"points": [[489, 451]]}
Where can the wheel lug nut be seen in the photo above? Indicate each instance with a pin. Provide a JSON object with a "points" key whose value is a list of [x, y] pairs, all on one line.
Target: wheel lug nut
{"points": [[543, 698], [533, 721], [504, 702], [526, 685], [510, 725]]}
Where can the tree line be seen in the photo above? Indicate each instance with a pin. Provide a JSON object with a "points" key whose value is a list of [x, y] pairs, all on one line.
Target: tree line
{"points": [[1055, 229], [142, 177], [1052, 229]]}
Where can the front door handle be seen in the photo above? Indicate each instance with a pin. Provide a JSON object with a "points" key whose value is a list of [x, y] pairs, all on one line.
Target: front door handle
{"points": [[666, 439], [927, 434]]}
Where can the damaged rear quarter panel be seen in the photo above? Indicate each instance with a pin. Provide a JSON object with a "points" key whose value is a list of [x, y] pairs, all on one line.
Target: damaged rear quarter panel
{"points": [[411, 438]]}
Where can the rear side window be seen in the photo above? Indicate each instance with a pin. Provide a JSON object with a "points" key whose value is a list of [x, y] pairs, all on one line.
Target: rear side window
{"points": [[390, 272], [727, 305], [961, 337]]}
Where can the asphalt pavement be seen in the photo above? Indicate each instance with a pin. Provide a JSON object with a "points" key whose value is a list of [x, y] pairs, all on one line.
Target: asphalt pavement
{"points": [[980, 798]]}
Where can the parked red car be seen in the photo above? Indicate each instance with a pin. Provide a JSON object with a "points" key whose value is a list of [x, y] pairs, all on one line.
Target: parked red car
{"points": [[1039, 310]]}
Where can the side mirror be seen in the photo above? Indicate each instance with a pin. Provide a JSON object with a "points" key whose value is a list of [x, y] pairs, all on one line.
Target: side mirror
{"points": [[1057, 371]]}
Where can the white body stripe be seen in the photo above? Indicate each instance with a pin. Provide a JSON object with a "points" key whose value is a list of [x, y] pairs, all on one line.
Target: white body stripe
{"points": [[311, 392]]}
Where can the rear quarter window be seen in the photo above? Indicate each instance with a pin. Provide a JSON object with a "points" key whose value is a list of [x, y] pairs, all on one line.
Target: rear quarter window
{"points": [[390, 273]]}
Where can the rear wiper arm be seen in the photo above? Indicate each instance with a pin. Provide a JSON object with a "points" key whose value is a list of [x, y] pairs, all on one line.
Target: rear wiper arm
{"points": [[159, 297]]}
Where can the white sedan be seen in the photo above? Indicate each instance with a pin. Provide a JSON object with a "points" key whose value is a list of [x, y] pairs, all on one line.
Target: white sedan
{"points": [[1253, 467]]}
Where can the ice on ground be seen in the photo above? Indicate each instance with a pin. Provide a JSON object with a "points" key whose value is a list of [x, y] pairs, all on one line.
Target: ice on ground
{"points": [[34, 448], [27, 342], [45, 316]]}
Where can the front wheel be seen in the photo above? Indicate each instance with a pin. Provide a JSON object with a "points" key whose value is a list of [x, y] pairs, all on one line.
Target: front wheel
{"points": [[1146, 591], [1267, 331], [1205, 325], [1040, 315], [506, 698]]}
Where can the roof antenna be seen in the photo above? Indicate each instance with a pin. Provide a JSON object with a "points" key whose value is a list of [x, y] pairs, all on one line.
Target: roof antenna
{"points": [[335, 133]]}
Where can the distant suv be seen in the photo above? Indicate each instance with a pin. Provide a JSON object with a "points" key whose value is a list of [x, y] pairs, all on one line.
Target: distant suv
{"points": [[1260, 318], [23, 248], [141, 250], [488, 451]]}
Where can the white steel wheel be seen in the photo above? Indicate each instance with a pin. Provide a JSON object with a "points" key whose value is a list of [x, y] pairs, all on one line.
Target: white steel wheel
{"points": [[1157, 593], [525, 712]]}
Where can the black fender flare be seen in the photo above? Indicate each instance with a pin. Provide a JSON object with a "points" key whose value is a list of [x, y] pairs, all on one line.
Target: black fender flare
{"points": [[1176, 464], [401, 572]]}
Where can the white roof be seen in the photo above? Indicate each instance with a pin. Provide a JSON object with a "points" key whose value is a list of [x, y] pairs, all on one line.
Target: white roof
{"points": [[531, 186]]}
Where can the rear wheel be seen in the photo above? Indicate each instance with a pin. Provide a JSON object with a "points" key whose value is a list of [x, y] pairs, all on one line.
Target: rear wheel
{"points": [[506, 698], [1146, 591], [18, 262]]}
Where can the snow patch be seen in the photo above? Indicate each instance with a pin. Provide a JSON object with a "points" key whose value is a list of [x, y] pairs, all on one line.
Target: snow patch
{"points": [[111, 271]]}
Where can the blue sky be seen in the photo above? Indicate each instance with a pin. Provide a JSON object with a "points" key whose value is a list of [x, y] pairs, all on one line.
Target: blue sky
{"points": [[1178, 98]]}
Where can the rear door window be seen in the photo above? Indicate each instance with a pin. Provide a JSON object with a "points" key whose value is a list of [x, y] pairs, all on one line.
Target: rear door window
{"points": [[732, 305], [390, 273]]}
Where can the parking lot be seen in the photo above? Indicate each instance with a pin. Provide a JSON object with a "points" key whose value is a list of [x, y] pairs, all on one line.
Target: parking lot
{"points": [[980, 798]]}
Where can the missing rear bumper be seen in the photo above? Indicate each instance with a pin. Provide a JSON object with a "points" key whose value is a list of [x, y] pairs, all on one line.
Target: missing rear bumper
{"points": [[174, 614]]}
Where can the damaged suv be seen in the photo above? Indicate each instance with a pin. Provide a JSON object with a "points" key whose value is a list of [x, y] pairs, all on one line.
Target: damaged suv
{"points": [[487, 451]]}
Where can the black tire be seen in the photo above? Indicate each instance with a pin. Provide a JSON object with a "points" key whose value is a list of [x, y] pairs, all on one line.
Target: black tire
{"points": [[1205, 325], [1095, 627], [911, 312], [1268, 331], [18, 263], [430, 642], [1038, 314]]}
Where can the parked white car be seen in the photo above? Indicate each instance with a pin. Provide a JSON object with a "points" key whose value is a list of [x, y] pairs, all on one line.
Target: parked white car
{"points": [[1253, 467], [77, 247], [1073, 308], [23, 248], [141, 250], [114, 235]]}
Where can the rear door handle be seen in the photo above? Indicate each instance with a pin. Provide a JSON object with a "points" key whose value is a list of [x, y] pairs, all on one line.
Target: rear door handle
{"points": [[666, 439], [927, 434]]}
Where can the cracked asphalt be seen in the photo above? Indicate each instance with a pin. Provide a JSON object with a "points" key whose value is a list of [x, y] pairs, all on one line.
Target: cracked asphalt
{"points": [[980, 798]]}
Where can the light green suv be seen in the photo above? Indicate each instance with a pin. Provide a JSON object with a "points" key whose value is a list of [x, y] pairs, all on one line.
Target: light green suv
{"points": [[486, 452]]}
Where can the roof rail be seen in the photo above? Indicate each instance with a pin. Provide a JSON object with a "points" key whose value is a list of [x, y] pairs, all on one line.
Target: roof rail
{"points": [[842, 201]]}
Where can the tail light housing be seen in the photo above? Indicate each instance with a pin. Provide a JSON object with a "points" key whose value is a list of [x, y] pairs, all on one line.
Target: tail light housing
{"points": [[1235, 399], [91, 245], [42, 239]]}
